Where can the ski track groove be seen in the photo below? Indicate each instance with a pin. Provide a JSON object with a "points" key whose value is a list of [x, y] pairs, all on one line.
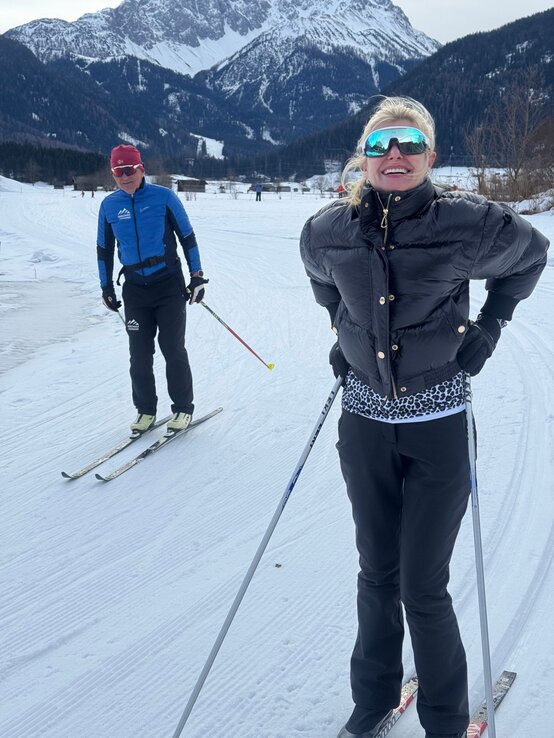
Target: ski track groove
{"points": [[502, 539], [536, 375], [112, 574], [159, 640]]}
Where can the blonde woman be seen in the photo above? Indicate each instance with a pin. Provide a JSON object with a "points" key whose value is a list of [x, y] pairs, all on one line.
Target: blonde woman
{"points": [[392, 264]]}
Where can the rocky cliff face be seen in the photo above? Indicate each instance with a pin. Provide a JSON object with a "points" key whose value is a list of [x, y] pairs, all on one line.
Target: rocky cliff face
{"points": [[188, 36], [276, 69]]}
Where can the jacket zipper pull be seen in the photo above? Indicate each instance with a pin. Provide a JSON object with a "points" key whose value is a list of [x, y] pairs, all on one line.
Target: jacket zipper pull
{"points": [[385, 218]]}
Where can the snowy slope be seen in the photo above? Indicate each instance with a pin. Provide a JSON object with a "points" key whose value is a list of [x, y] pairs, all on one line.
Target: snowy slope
{"points": [[112, 595]]}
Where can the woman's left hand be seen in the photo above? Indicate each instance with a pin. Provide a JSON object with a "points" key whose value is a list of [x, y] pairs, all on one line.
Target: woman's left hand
{"points": [[478, 344]]}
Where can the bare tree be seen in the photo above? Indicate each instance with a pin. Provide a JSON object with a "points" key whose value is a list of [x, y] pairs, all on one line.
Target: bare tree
{"points": [[512, 139], [32, 171], [475, 141], [515, 127], [162, 177]]}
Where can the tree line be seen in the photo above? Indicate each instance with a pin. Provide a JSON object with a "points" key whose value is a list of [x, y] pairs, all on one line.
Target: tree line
{"points": [[28, 162]]}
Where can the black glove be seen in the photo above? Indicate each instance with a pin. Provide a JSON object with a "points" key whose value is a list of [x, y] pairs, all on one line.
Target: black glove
{"points": [[195, 289], [338, 362], [109, 298], [479, 343]]}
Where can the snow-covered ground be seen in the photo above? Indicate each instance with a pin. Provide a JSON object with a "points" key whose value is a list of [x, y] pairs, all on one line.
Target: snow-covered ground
{"points": [[112, 595]]}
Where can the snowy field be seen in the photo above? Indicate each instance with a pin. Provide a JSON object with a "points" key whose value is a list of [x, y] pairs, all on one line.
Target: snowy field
{"points": [[113, 594]]}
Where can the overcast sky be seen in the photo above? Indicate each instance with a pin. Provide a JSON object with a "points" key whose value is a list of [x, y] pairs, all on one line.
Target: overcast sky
{"points": [[444, 20]]}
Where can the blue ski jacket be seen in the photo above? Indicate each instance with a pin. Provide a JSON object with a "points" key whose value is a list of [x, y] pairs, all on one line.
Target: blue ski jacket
{"points": [[144, 225]]}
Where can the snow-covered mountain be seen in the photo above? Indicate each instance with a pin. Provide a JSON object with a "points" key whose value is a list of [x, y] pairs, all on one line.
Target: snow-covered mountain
{"points": [[277, 69], [323, 67], [187, 36]]}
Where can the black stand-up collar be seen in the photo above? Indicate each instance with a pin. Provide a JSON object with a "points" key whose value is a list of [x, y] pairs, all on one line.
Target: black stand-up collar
{"points": [[400, 205]]}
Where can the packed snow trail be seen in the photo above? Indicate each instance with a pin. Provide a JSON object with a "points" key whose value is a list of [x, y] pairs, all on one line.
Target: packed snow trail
{"points": [[112, 595]]}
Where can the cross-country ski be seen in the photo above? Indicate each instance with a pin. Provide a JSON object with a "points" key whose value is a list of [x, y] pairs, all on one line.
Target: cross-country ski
{"points": [[121, 446], [408, 695], [480, 718], [156, 446]]}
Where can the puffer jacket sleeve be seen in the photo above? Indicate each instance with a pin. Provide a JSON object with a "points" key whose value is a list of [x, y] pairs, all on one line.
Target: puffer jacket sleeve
{"points": [[511, 257], [323, 286]]}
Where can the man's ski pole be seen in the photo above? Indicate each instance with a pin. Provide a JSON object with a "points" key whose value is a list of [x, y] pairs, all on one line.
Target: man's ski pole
{"points": [[479, 561], [253, 566], [216, 316]]}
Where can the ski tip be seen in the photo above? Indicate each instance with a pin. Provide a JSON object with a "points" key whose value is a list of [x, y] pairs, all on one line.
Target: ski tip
{"points": [[270, 366], [65, 475], [100, 478]]}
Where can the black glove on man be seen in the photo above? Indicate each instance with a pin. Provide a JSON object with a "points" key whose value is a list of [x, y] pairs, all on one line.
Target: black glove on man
{"points": [[338, 362], [479, 343], [109, 298], [195, 289]]}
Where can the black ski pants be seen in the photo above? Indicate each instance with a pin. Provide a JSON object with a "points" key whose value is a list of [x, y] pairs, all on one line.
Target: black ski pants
{"points": [[409, 485], [159, 308]]}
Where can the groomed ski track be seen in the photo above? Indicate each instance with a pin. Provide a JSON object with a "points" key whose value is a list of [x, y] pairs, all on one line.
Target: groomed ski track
{"points": [[113, 595]]}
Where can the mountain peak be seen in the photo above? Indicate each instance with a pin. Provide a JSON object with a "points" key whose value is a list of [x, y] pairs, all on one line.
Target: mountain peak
{"points": [[177, 34]]}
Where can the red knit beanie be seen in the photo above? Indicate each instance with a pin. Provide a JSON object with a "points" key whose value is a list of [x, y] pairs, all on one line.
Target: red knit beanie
{"points": [[125, 155]]}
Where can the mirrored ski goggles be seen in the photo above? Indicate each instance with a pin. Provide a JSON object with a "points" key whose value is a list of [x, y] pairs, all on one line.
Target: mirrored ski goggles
{"points": [[409, 141], [126, 171]]}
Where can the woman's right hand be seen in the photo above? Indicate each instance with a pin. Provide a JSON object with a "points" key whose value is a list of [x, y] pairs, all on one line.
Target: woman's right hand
{"points": [[338, 362]]}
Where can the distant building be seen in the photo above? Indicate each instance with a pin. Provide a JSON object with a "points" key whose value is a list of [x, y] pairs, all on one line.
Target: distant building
{"points": [[189, 184], [84, 184], [266, 187], [93, 182]]}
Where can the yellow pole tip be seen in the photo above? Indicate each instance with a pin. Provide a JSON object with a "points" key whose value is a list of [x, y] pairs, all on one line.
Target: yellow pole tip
{"points": [[270, 366]]}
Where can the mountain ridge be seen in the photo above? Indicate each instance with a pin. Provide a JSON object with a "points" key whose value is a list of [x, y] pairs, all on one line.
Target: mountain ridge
{"points": [[296, 66], [178, 36]]}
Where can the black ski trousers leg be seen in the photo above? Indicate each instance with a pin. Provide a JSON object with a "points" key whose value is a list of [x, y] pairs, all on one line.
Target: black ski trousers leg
{"points": [[409, 486], [158, 308]]}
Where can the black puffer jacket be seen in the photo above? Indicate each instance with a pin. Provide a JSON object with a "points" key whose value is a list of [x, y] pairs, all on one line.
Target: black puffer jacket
{"points": [[396, 270]]}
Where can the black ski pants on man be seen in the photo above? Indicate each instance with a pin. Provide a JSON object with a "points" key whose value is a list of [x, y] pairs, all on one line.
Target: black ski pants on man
{"points": [[409, 486], [160, 308]]}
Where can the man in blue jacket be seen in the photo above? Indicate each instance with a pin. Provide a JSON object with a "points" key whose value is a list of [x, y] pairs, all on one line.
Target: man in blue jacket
{"points": [[145, 220]]}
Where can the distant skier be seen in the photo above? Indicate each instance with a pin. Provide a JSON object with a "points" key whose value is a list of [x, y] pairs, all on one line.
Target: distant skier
{"points": [[258, 189], [144, 219], [391, 262]]}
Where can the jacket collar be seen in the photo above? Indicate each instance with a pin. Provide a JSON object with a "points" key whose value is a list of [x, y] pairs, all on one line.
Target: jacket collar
{"points": [[400, 205], [138, 191]]}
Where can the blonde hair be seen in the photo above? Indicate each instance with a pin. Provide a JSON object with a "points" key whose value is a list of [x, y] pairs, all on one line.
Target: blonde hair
{"points": [[389, 109]]}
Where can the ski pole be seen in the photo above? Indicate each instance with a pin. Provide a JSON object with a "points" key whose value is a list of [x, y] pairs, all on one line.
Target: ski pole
{"points": [[487, 670], [216, 316], [121, 318], [256, 560]]}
